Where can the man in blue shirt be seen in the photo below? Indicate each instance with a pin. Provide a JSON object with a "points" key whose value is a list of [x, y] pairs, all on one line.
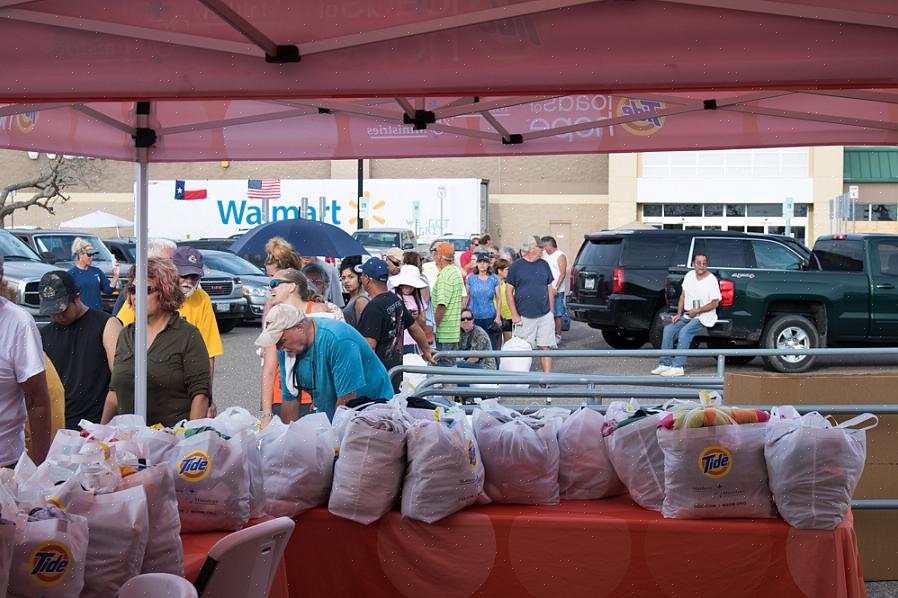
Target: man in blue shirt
{"points": [[90, 280], [334, 363], [530, 295]]}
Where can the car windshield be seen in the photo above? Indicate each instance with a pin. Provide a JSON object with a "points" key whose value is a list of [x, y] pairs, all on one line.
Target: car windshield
{"points": [[377, 239], [60, 246], [13, 249], [231, 264], [458, 244]]}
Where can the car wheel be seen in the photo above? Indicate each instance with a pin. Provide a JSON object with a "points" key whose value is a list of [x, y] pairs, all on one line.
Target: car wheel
{"points": [[790, 332], [657, 329], [225, 326], [624, 340]]}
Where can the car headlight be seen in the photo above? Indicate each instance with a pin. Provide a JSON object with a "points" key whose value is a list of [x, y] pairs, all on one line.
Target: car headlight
{"points": [[255, 291]]}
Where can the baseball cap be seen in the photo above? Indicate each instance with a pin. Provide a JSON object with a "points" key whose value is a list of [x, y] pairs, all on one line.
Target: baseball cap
{"points": [[188, 261], [445, 249], [374, 268], [56, 289], [483, 256], [394, 253], [280, 318]]}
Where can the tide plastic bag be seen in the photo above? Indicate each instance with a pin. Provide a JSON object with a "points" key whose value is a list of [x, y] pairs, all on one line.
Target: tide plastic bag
{"points": [[444, 473], [368, 473], [585, 471], [212, 482], [49, 555], [119, 526], [814, 467], [715, 472], [297, 464], [637, 458], [520, 455], [164, 551]]}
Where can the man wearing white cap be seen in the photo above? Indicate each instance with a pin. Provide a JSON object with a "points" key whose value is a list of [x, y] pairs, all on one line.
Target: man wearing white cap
{"points": [[333, 361]]}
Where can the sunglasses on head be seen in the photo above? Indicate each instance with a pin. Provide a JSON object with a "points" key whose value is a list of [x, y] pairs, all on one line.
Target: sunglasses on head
{"points": [[275, 283], [132, 290]]}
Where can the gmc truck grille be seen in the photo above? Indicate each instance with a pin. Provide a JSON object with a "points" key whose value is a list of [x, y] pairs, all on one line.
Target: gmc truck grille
{"points": [[217, 288], [32, 297]]}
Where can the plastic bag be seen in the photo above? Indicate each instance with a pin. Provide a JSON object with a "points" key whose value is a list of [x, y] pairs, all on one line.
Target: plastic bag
{"points": [[7, 545], [814, 467], [164, 551], [410, 382], [444, 473], [368, 473], [585, 471], [49, 556], [297, 464], [637, 458], [715, 472], [212, 482], [119, 528], [516, 364], [520, 455]]}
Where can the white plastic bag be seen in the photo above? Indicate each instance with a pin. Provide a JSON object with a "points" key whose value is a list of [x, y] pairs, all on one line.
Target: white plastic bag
{"points": [[516, 364], [585, 471], [49, 557], [814, 467], [155, 447], [520, 455], [444, 473], [410, 382], [368, 473], [7, 545], [715, 472], [119, 528], [164, 551], [212, 482], [638, 460], [297, 464]]}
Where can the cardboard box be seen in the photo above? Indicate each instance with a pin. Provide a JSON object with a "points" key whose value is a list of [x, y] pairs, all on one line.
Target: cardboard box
{"points": [[876, 530]]}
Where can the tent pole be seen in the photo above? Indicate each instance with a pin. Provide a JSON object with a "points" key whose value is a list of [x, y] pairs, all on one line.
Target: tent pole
{"points": [[140, 308]]}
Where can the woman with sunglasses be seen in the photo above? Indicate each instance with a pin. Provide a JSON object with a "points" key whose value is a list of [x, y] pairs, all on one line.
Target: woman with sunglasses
{"points": [[90, 280], [178, 380]]}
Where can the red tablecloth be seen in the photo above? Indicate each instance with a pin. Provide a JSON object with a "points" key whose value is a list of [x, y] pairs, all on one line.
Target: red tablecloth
{"points": [[578, 548], [196, 548]]}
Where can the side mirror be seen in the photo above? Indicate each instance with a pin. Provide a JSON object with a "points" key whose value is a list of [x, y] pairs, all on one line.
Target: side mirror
{"points": [[407, 246], [48, 257]]}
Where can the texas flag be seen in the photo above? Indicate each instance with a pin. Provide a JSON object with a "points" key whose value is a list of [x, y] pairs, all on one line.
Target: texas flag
{"points": [[181, 192]]}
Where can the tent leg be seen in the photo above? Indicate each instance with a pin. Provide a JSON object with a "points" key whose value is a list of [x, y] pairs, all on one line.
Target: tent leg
{"points": [[140, 308]]}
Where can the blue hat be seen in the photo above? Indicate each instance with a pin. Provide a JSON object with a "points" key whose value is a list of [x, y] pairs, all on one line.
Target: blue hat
{"points": [[375, 268]]}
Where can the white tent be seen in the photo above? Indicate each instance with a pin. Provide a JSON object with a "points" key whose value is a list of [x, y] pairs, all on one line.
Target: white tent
{"points": [[97, 219]]}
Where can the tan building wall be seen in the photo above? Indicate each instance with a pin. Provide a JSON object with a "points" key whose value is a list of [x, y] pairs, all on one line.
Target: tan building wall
{"points": [[623, 173], [827, 170]]}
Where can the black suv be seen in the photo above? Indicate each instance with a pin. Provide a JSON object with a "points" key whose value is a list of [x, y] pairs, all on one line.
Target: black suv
{"points": [[617, 282]]}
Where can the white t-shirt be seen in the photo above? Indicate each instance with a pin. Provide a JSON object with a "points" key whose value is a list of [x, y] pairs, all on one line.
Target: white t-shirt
{"points": [[702, 291], [21, 357], [552, 260]]}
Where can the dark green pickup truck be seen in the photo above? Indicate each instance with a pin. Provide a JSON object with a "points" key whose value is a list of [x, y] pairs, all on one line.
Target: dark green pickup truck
{"points": [[845, 295]]}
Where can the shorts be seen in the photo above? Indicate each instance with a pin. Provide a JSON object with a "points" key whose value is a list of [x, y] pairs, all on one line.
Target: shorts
{"points": [[539, 332], [559, 305], [446, 362], [507, 325]]}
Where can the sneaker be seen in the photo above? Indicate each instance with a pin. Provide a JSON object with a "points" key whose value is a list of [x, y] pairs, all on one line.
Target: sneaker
{"points": [[660, 369], [673, 372], [557, 339]]}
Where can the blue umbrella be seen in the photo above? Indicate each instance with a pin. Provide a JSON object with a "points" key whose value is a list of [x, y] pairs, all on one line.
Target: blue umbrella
{"points": [[308, 237]]}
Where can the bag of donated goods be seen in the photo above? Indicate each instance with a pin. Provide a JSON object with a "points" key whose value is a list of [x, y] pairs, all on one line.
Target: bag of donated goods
{"points": [[814, 467], [632, 444], [164, 552], [714, 465], [49, 554], [520, 454], [118, 527], [211, 481], [368, 473], [7, 545], [411, 381], [297, 464], [585, 471], [444, 473]]}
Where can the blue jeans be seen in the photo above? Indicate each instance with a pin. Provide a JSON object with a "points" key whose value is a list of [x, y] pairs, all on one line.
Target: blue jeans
{"points": [[682, 332]]}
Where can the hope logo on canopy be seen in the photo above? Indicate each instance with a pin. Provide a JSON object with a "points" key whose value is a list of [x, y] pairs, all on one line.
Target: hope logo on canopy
{"points": [[715, 462], [632, 107], [50, 563]]}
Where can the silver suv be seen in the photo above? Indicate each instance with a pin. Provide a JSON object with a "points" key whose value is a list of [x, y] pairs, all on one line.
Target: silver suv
{"points": [[22, 273]]}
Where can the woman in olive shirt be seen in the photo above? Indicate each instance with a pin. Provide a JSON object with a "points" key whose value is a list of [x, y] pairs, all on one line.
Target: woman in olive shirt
{"points": [[178, 383]]}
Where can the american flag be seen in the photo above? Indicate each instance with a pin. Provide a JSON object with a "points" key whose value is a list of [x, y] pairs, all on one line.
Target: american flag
{"points": [[263, 189]]}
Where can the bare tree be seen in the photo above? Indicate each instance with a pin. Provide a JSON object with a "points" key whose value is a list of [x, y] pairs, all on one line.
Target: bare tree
{"points": [[49, 187]]}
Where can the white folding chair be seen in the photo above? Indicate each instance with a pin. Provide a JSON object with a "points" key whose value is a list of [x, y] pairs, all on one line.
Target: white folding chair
{"points": [[244, 563], [157, 585]]}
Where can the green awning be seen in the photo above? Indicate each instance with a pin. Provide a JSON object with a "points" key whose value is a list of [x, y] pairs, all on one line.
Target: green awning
{"points": [[871, 165]]}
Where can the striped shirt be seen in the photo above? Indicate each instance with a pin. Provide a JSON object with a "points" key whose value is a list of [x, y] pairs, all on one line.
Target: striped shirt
{"points": [[447, 290]]}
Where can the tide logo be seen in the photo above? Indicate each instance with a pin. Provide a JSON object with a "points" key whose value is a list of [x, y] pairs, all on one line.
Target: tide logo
{"points": [[194, 466], [715, 462], [50, 563], [631, 107], [26, 121], [471, 451]]}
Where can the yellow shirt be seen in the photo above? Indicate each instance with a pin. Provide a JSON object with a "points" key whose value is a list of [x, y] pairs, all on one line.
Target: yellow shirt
{"points": [[197, 310], [57, 403], [505, 311]]}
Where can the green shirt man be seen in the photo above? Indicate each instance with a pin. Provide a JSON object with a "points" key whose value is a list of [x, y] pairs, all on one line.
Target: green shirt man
{"points": [[447, 296]]}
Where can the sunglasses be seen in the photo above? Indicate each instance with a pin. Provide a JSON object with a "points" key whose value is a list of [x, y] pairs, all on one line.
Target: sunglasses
{"points": [[275, 283], [394, 262], [467, 319], [132, 290]]}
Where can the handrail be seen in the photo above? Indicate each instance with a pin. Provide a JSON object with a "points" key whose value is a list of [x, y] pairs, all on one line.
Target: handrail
{"points": [[699, 382], [561, 353]]}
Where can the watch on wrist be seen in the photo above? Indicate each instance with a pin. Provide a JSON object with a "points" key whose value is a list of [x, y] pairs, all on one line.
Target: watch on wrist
{"points": [[267, 414]]}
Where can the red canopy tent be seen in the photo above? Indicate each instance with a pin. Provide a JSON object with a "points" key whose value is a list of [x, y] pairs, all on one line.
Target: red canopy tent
{"points": [[159, 80]]}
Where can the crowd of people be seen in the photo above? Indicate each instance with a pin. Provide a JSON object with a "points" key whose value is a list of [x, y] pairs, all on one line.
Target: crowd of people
{"points": [[318, 349]]}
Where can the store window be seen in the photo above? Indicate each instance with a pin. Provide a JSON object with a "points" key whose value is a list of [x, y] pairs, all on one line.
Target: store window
{"points": [[735, 210], [682, 210], [882, 212], [713, 210], [765, 210], [651, 210]]}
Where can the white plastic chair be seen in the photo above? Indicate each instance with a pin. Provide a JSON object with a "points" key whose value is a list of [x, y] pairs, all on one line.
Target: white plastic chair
{"points": [[244, 563], [157, 585]]}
